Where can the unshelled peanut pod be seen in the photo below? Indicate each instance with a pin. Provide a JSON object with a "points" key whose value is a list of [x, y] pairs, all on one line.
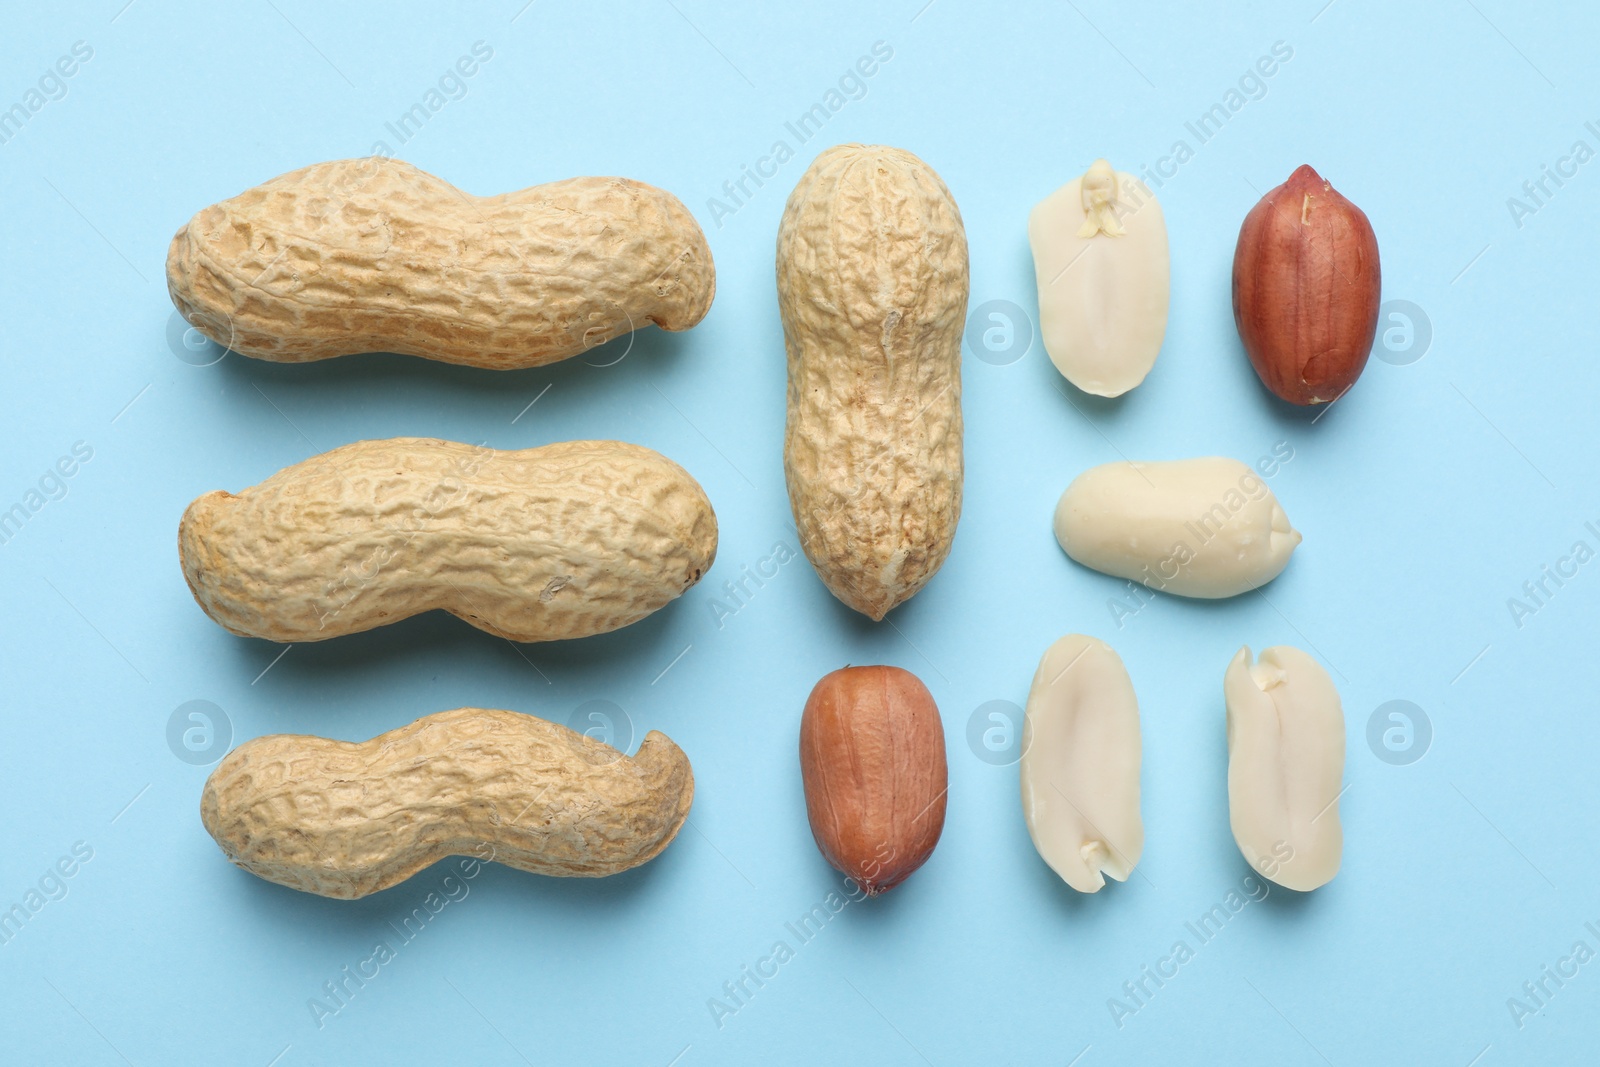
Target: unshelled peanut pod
{"points": [[344, 819], [1306, 288], [537, 544], [872, 287], [363, 255]]}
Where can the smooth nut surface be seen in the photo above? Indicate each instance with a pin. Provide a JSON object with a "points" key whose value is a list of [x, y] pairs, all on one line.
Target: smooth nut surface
{"points": [[1285, 766], [1205, 527], [872, 287], [1101, 264], [873, 763], [1080, 764], [365, 255], [1306, 289], [346, 819], [541, 544]]}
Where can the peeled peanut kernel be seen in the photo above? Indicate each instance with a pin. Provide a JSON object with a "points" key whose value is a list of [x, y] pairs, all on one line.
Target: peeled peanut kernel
{"points": [[1101, 264], [1195, 527], [1285, 766], [1080, 764]]}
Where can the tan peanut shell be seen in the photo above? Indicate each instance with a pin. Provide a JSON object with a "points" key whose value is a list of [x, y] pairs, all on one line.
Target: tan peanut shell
{"points": [[872, 287], [345, 819], [364, 255], [541, 544]]}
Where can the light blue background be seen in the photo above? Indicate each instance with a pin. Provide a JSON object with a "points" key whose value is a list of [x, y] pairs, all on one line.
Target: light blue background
{"points": [[1427, 497]]}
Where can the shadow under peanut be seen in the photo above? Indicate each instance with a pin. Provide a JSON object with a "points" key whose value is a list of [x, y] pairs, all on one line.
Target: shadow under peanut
{"points": [[557, 900], [385, 378], [437, 642]]}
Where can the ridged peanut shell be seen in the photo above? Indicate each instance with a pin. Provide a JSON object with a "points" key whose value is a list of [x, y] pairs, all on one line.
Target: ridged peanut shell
{"points": [[364, 255], [539, 544], [346, 819], [872, 287], [872, 761]]}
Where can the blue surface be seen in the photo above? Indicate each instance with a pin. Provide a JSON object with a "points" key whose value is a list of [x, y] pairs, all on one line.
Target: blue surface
{"points": [[1428, 497]]}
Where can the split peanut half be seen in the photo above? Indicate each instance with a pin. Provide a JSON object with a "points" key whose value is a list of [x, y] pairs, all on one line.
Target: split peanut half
{"points": [[1080, 764], [1101, 264], [1285, 766]]}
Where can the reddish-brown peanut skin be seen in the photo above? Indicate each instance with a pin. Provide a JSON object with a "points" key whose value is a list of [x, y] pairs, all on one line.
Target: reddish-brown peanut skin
{"points": [[873, 763], [1306, 286]]}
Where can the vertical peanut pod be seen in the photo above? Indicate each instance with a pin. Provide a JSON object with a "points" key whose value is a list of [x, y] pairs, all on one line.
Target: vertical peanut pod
{"points": [[1080, 764], [872, 287], [1285, 766], [1101, 264], [873, 764]]}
